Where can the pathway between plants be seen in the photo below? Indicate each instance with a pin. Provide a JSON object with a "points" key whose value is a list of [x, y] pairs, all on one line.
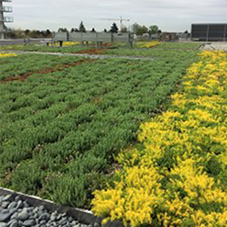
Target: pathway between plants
{"points": [[93, 56]]}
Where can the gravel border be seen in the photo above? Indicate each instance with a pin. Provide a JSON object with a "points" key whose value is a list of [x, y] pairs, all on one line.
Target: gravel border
{"points": [[81, 218]]}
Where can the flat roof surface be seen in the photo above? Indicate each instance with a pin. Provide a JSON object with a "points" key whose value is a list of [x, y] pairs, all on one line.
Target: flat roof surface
{"points": [[210, 24]]}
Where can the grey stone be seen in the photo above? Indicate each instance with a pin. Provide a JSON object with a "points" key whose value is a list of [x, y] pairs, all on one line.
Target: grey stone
{"points": [[55, 212], [19, 204], [23, 216], [42, 222], [13, 223], [26, 204], [13, 210], [17, 198], [14, 216], [63, 221], [25, 209], [7, 198], [19, 213], [40, 213], [4, 217], [5, 211], [2, 224], [5, 204], [30, 222], [59, 216], [44, 216], [75, 223], [41, 208], [35, 210], [53, 217], [29, 209], [12, 205]]}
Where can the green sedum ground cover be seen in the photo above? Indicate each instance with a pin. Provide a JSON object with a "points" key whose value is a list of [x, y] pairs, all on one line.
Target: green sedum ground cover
{"points": [[164, 49], [42, 48], [22, 64], [60, 131]]}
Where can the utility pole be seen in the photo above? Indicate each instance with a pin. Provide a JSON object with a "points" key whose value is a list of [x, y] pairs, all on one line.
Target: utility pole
{"points": [[3, 20]]}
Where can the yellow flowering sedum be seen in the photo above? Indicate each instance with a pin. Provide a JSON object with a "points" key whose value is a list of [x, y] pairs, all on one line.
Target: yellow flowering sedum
{"points": [[5, 55], [134, 198], [179, 177], [148, 44], [69, 43]]}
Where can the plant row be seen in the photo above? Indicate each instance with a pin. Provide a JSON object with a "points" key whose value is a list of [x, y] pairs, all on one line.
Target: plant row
{"points": [[59, 131], [22, 64], [164, 49], [5, 55], [177, 175]]}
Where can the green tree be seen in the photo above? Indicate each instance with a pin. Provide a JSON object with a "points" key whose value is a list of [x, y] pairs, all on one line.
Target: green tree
{"points": [[143, 30], [48, 33], [135, 28], [124, 29], [82, 27], [114, 28], [138, 29], [27, 32], [153, 29], [62, 30]]}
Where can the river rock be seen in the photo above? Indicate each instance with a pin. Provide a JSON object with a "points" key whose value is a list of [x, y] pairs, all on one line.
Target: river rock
{"points": [[23, 215], [5, 204], [2, 224], [4, 217], [30, 222], [13, 223]]}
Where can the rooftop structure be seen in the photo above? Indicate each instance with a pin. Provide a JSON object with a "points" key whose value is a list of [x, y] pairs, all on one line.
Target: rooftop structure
{"points": [[4, 19], [209, 32]]}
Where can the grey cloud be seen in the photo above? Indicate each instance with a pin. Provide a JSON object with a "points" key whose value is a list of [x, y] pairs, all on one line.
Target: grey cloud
{"points": [[174, 15]]}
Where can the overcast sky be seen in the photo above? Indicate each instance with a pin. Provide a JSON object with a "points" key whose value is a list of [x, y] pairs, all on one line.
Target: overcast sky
{"points": [[175, 15]]}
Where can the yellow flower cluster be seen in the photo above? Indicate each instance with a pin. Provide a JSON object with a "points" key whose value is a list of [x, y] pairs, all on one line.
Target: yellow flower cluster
{"points": [[148, 44], [5, 55], [66, 44], [178, 178], [134, 198]]}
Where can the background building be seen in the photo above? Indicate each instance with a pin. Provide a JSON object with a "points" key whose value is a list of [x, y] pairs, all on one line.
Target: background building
{"points": [[4, 19], [209, 32]]}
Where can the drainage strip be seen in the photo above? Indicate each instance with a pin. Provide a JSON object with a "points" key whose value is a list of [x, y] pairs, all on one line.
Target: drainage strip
{"points": [[19, 210], [93, 56]]}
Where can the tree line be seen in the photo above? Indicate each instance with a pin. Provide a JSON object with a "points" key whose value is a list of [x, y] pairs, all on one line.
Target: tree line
{"points": [[12, 33], [136, 28], [82, 28]]}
